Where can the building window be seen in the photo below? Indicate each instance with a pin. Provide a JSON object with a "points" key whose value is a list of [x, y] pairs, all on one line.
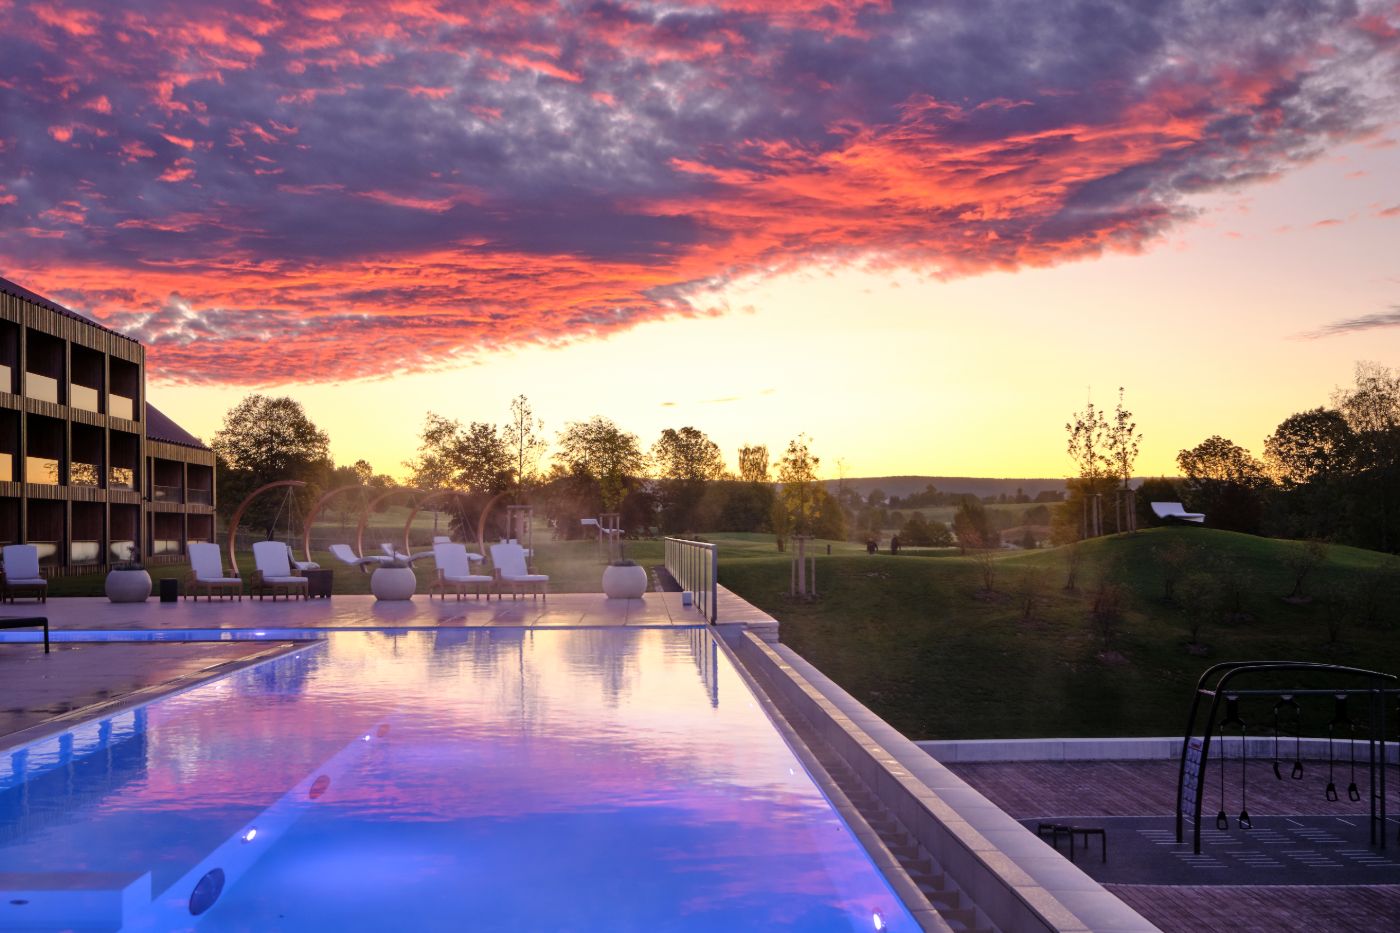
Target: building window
{"points": [[45, 529], [44, 377], [126, 386], [43, 460], [85, 466], [126, 523], [165, 533], [85, 388], [86, 547], [126, 456]]}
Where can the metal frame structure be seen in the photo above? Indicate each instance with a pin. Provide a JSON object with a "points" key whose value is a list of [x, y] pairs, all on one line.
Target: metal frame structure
{"points": [[1214, 685]]}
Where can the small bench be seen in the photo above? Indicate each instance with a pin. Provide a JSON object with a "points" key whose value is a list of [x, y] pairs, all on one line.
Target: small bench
{"points": [[1056, 830], [28, 622]]}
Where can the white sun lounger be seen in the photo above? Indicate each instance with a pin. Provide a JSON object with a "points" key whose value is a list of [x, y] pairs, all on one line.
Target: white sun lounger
{"points": [[207, 573], [454, 571], [509, 560], [22, 576], [1174, 510], [274, 571]]}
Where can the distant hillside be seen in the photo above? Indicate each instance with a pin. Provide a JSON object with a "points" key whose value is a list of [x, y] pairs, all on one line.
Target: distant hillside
{"points": [[980, 486], [976, 485]]}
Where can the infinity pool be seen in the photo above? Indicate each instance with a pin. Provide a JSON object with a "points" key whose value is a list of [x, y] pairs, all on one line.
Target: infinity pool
{"points": [[487, 779]]}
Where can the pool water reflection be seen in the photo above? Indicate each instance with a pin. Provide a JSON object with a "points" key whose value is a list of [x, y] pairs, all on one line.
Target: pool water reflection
{"points": [[581, 779]]}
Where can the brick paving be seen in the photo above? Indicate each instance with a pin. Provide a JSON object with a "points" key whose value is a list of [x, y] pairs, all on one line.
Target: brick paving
{"points": [[1058, 789]]}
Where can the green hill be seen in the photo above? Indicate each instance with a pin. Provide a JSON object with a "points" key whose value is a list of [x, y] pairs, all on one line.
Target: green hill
{"points": [[919, 641]]}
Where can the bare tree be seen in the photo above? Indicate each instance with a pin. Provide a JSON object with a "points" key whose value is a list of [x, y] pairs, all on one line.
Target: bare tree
{"points": [[1074, 558], [1088, 448], [1123, 442], [1302, 559], [1173, 558], [524, 439]]}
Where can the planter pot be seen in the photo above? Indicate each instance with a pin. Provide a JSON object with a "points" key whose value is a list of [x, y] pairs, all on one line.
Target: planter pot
{"points": [[393, 583], [128, 586], [624, 582]]}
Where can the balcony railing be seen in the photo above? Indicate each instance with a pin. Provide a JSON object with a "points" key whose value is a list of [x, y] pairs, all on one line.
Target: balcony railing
{"points": [[165, 546], [85, 552], [83, 397], [7, 378], [121, 478], [199, 496], [122, 551], [7, 468], [695, 565], [119, 406], [43, 388], [165, 493]]}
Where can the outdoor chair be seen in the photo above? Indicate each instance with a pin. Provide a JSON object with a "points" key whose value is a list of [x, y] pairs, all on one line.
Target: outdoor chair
{"points": [[21, 577], [509, 561], [274, 572], [207, 573], [344, 554], [454, 571], [1174, 510]]}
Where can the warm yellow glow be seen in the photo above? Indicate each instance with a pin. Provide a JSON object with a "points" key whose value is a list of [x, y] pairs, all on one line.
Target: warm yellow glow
{"points": [[893, 374]]}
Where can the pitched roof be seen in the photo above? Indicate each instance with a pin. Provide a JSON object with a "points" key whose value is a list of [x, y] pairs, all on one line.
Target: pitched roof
{"points": [[159, 427], [10, 288]]}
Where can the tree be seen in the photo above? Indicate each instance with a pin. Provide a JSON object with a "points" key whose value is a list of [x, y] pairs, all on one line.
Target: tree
{"points": [[753, 463], [973, 527], [1302, 559], [1223, 480], [797, 471], [1309, 447], [264, 440], [685, 460], [524, 440], [1123, 442], [473, 458], [1088, 448], [687, 454], [363, 471], [603, 452], [1372, 411]]}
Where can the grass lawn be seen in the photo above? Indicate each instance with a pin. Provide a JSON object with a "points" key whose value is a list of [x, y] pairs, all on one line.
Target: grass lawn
{"points": [[916, 638], [919, 642]]}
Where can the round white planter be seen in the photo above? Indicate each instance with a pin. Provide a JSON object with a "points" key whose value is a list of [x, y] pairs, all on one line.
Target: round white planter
{"points": [[128, 586], [624, 582], [393, 583]]}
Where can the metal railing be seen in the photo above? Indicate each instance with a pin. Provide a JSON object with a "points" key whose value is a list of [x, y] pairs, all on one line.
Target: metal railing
{"points": [[161, 493], [695, 565]]}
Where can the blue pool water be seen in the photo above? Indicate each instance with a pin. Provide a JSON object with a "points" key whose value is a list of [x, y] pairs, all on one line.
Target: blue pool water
{"points": [[458, 779]]}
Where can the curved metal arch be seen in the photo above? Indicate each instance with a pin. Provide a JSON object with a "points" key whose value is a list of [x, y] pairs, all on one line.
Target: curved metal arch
{"points": [[369, 510], [418, 507], [316, 508], [243, 507], [481, 524]]}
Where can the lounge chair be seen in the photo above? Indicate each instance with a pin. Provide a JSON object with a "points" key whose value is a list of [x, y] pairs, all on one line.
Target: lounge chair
{"points": [[509, 560], [21, 577], [454, 571], [394, 553], [207, 573], [274, 572], [1174, 510], [344, 554]]}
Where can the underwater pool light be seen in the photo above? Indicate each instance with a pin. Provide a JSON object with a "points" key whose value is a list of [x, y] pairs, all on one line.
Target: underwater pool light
{"points": [[250, 835], [879, 920]]}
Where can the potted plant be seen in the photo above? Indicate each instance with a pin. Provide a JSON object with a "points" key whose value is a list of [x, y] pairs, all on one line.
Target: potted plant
{"points": [[393, 580], [127, 582], [623, 578]]}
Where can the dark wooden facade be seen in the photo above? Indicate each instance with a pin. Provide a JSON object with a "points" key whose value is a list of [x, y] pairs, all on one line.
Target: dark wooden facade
{"points": [[78, 469]]}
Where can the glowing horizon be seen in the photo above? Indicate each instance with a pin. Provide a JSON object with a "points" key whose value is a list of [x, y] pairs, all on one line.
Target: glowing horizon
{"points": [[923, 235]]}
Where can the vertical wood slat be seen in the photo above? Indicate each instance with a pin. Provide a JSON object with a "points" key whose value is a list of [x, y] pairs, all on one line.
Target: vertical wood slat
{"points": [[51, 320]]}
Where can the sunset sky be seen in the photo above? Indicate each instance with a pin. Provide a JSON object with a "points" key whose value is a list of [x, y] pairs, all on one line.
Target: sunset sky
{"points": [[923, 233]]}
